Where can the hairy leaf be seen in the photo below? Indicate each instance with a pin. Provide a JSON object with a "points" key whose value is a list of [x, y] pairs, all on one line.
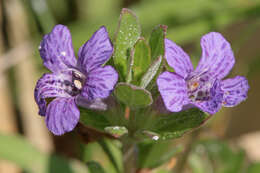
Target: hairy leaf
{"points": [[141, 59], [133, 96], [128, 32]]}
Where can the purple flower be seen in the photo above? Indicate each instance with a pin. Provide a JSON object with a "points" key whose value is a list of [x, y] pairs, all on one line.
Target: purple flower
{"points": [[83, 81], [202, 87]]}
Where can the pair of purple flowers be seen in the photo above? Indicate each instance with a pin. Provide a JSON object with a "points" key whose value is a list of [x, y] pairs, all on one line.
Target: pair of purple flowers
{"points": [[85, 81]]}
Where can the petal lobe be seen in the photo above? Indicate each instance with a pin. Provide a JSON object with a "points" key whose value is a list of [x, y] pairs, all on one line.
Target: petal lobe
{"points": [[50, 86], [177, 58], [99, 83], [173, 90], [56, 49], [62, 115], [235, 90], [217, 55], [96, 51]]}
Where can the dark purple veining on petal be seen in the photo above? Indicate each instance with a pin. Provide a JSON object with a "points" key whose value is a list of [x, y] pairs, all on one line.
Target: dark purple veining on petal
{"points": [[173, 90], [70, 80], [95, 51], [202, 86], [56, 49], [217, 55], [177, 58], [199, 86], [212, 105], [99, 83], [62, 115], [235, 91], [50, 86]]}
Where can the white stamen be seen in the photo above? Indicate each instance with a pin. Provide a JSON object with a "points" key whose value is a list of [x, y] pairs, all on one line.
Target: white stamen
{"points": [[77, 74], [77, 84], [63, 53], [39, 48]]}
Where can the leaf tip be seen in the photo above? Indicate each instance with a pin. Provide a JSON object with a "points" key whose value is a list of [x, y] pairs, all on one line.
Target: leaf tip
{"points": [[128, 11], [164, 27]]}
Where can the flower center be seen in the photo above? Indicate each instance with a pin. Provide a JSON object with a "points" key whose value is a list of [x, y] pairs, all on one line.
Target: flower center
{"points": [[75, 85], [78, 78], [199, 86]]}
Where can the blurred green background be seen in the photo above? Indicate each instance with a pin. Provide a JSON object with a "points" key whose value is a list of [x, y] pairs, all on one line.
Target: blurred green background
{"points": [[24, 22]]}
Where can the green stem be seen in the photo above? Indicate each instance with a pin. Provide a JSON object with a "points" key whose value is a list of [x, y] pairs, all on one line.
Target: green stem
{"points": [[129, 156]]}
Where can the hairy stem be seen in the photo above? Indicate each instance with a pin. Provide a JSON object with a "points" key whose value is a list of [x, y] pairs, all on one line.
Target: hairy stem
{"points": [[129, 158]]}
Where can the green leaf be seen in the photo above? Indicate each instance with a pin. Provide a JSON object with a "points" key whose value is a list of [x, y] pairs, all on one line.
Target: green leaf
{"points": [[127, 34], [175, 125], [141, 59], [95, 119], [17, 150], [113, 152], [254, 168], [93, 151], [151, 73], [154, 154], [133, 96], [156, 41], [99, 124], [95, 167]]}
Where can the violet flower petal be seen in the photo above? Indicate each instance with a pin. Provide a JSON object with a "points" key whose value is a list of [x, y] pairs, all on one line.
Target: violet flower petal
{"points": [[177, 58], [56, 49], [99, 83], [217, 56], [173, 90], [96, 51], [50, 86], [214, 104], [235, 90], [62, 115]]}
